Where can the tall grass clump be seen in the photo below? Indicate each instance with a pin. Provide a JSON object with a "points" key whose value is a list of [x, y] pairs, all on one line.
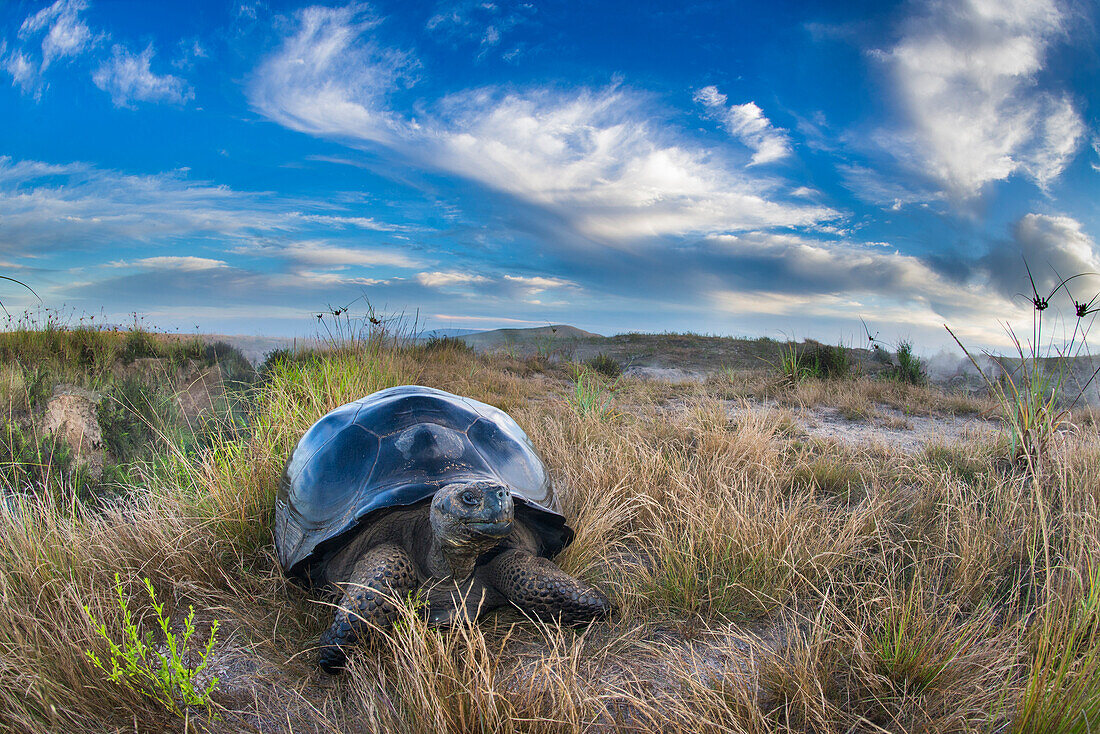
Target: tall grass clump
{"points": [[592, 395], [1032, 388], [813, 361], [606, 365], [1062, 691]]}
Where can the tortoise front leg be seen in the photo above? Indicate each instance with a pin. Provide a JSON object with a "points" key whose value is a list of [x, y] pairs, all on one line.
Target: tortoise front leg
{"points": [[384, 573], [537, 586]]}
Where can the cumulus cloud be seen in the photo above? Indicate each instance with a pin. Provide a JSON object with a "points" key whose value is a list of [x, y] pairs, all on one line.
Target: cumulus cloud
{"points": [[590, 158], [128, 78], [967, 74], [539, 281], [747, 123]]}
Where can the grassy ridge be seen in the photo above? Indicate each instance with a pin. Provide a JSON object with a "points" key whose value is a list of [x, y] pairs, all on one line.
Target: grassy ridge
{"points": [[767, 583]]}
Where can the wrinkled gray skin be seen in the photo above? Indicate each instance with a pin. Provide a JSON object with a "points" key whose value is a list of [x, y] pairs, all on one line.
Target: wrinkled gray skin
{"points": [[436, 549]]}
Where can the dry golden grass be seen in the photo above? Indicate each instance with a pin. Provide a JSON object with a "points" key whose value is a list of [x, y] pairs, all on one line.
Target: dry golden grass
{"points": [[764, 583]]}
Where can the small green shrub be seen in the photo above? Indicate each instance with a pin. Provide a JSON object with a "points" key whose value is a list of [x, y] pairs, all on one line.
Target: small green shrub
{"points": [[827, 361], [438, 344], [235, 367], [137, 664], [606, 365], [129, 415], [910, 367], [39, 382]]}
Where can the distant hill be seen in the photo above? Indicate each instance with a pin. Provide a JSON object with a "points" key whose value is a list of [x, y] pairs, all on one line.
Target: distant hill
{"points": [[446, 333], [256, 348], [555, 334]]}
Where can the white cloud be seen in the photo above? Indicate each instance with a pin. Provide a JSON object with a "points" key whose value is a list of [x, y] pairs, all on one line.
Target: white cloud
{"points": [[444, 279], [313, 278], [185, 264], [128, 78], [1054, 247], [63, 35], [539, 281], [747, 123], [48, 208], [846, 281], [483, 319], [534, 285], [66, 34], [125, 75], [23, 71], [345, 222], [591, 158], [967, 76], [321, 81], [323, 255], [468, 21]]}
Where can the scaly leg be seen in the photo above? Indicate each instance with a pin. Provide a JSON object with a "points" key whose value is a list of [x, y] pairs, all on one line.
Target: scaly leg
{"points": [[537, 586], [383, 573]]}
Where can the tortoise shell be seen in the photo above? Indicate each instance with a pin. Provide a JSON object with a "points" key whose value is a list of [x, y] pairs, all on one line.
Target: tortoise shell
{"points": [[395, 448]]}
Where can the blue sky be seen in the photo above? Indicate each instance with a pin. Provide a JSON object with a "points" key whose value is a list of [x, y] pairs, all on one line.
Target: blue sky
{"points": [[732, 168]]}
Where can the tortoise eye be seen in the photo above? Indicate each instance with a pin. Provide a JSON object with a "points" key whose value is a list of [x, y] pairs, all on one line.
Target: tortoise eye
{"points": [[469, 498]]}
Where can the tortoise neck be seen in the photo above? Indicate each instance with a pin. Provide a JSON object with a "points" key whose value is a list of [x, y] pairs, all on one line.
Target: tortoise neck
{"points": [[456, 558]]}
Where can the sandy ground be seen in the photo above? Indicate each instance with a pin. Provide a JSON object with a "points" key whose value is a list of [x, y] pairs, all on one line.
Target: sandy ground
{"points": [[892, 428]]}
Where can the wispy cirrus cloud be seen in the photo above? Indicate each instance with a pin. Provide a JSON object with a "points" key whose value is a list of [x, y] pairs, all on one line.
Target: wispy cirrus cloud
{"points": [[747, 123], [593, 158], [59, 32], [967, 77], [51, 208], [324, 255], [55, 32], [327, 79], [182, 263], [483, 24], [440, 279], [127, 77]]}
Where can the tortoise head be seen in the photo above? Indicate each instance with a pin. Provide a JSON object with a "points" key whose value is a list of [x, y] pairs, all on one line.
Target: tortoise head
{"points": [[469, 518]]}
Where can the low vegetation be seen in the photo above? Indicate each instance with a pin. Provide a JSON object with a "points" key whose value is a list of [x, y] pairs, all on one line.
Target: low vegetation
{"points": [[765, 581]]}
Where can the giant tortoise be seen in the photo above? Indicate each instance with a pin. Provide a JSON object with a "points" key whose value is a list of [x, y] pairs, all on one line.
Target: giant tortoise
{"points": [[413, 489]]}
